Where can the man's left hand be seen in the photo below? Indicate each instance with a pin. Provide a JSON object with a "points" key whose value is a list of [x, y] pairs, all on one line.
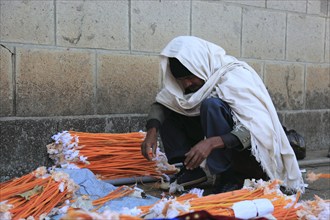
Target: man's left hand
{"points": [[201, 151]]}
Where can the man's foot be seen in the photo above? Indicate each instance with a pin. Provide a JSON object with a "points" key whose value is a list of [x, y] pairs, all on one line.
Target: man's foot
{"points": [[287, 191], [226, 187], [188, 178], [227, 181]]}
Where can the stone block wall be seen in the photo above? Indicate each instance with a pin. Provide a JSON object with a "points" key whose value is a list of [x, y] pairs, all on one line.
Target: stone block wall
{"points": [[93, 65]]}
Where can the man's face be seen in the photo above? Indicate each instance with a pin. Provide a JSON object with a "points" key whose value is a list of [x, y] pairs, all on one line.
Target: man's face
{"points": [[190, 83]]}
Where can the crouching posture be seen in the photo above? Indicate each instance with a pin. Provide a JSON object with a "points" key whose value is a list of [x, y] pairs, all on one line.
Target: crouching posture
{"points": [[215, 108]]}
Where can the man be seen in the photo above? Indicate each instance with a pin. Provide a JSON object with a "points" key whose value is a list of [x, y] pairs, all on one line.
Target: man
{"points": [[216, 109]]}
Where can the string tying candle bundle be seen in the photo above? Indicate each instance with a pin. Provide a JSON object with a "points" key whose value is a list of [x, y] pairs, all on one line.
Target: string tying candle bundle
{"points": [[110, 155]]}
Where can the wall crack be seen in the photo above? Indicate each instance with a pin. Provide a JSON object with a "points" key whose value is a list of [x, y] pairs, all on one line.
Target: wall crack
{"points": [[12, 53]]}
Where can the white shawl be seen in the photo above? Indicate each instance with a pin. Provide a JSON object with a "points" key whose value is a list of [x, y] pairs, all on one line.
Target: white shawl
{"points": [[239, 85]]}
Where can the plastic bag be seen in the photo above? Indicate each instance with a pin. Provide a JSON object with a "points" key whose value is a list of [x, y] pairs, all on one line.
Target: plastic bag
{"points": [[297, 143]]}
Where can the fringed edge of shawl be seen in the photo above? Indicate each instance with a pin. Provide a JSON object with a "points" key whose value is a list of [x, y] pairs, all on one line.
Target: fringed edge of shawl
{"points": [[291, 186]]}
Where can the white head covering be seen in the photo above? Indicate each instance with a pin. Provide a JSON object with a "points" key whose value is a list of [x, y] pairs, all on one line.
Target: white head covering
{"points": [[239, 85]]}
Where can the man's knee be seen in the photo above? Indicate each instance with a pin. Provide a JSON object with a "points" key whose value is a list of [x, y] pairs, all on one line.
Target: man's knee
{"points": [[213, 104]]}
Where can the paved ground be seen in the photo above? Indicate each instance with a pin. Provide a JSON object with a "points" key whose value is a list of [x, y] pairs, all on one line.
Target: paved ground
{"points": [[316, 161], [320, 187]]}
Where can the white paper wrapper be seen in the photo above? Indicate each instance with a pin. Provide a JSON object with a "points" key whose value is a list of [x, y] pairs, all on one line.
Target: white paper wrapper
{"points": [[253, 208], [245, 209], [264, 207]]}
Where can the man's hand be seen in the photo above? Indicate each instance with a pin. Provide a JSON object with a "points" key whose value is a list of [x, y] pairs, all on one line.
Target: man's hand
{"points": [[150, 142], [201, 151]]}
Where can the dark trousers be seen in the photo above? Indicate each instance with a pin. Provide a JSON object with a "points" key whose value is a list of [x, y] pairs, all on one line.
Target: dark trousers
{"points": [[180, 133]]}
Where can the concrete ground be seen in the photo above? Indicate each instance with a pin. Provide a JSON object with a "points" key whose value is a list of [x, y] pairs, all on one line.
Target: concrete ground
{"points": [[316, 161]]}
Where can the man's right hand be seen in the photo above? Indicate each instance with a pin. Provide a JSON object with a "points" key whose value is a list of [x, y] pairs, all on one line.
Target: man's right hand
{"points": [[150, 142]]}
